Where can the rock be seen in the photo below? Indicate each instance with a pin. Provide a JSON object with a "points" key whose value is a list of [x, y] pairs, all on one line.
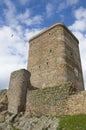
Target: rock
{"points": [[12, 118], [26, 122], [3, 100], [38, 123], [46, 123], [54, 124], [2, 118]]}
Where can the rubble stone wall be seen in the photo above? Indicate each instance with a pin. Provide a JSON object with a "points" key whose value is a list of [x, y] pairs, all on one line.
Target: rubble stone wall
{"points": [[56, 101], [18, 90]]}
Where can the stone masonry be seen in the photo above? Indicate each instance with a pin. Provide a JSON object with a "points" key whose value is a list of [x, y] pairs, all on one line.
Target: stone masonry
{"points": [[54, 58], [18, 90], [57, 100], [54, 69]]}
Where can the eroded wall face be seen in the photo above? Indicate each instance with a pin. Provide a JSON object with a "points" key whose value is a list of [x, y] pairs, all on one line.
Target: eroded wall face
{"points": [[19, 83], [47, 62], [56, 101], [74, 69]]}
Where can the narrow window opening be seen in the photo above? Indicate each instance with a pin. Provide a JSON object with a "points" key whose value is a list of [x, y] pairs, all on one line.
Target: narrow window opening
{"points": [[47, 63], [50, 50], [71, 54]]}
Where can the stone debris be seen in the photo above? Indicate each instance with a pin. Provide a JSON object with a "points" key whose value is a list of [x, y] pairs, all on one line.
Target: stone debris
{"points": [[26, 122], [2, 118], [3, 100]]}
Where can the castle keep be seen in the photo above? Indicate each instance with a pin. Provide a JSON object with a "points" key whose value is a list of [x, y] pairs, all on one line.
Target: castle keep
{"points": [[54, 70], [54, 58]]}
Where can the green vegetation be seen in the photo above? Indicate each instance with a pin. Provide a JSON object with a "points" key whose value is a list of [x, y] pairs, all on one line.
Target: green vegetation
{"points": [[75, 122], [13, 128]]}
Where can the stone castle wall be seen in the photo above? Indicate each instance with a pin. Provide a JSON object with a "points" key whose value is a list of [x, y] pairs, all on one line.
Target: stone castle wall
{"points": [[59, 100], [54, 58]]}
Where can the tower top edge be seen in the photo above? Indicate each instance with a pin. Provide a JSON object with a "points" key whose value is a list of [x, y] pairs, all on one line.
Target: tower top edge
{"points": [[51, 27]]}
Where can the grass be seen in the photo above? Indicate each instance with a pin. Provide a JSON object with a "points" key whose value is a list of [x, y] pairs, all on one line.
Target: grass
{"points": [[13, 128], [75, 122]]}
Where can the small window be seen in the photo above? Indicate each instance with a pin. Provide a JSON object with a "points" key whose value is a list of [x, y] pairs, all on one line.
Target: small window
{"points": [[47, 63], [71, 54], [50, 50]]}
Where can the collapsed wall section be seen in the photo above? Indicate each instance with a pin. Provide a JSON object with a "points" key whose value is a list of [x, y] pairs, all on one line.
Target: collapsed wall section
{"points": [[73, 61], [19, 83]]}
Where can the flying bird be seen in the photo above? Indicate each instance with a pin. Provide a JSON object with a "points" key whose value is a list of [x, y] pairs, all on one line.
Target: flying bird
{"points": [[12, 35]]}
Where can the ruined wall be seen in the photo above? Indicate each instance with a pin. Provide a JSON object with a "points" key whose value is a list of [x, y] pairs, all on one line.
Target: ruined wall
{"points": [[59, 100], [73, 62], [19, 83], [76, 104], [54, 58]]}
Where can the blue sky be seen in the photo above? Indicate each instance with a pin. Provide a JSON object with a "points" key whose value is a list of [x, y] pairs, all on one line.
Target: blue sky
{"points": [[21, 19]]}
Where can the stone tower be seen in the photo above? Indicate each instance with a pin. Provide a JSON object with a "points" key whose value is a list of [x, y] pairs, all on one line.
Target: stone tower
{"points": [[54, 58], [18, 86]]}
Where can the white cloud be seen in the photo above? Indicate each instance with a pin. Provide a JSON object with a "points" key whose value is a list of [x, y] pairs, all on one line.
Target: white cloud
{"points": [[29, 33], [13, 52], [28, 20], [49, 9], [9, 13], [24, 15], [14, 40], [79, 30], [23, 2], [14, 19], [80, 23], [33, 21], [71, 2], [80, 13], [57, 6], [65, 4]]}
